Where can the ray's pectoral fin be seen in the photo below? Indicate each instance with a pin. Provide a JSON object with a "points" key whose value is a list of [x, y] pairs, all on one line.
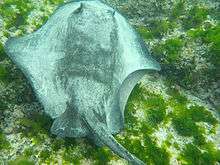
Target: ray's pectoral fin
{"points": [[19, 50], [16, 45], [103, 135], [13, 48]]}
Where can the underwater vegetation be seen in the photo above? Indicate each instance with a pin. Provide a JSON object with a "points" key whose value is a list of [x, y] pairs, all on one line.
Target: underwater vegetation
{"points": [[195, 17], [140, 140], [139, 135], [2, 52], [211, 36], [158, 128], [18, 14], [35, 126], [21, 161], [195, 29], [3, 73], [207, 154], [171, 49], [156, 28], [4, 144]]}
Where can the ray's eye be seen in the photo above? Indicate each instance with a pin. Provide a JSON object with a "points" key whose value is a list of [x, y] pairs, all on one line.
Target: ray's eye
{"points": [[112, 12], [79, 9]]}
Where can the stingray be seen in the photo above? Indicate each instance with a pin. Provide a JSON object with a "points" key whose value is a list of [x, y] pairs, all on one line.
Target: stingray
{"points": [[82, 65]]}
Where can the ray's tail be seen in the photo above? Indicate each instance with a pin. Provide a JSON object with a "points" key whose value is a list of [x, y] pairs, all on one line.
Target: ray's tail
{"points": [[101, 132]]}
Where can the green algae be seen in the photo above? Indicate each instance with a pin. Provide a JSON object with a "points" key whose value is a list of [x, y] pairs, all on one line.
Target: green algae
{"points": [[138, 138], [196, 33], [195, 17], [4, 144], [21, 161], [173, 49], [193, 114], [155, 116], [57, 144], [28, 152], [184, 119], [212, 36], [182, 126], [181, 112], [45, 155], [155, 109], [74, 153], [71, 157], [199, 113], [71, 151], [149, 152], [178, 9], [3, 73], [188, 128], [145, 32], [3, 106], [101, 156], [156, 28], [192, 154], [157, 155], [161, 27], [130, 117], [176, 97], [209, 36], [2, 52], [169, 52], [36, 126], [15, 12]]}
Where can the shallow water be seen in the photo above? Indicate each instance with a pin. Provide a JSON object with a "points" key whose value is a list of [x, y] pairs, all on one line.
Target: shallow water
{"points": [[171, 117]]}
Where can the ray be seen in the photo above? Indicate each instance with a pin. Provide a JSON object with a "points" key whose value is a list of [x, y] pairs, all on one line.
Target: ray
{"points": [[82, 65]]}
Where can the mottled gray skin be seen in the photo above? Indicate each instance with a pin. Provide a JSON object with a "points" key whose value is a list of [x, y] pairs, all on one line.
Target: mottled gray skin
{"points": [[83, 64]]}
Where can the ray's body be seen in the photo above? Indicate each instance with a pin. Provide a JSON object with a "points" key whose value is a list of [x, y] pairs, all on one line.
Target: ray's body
{"points": [[83, 64]]}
